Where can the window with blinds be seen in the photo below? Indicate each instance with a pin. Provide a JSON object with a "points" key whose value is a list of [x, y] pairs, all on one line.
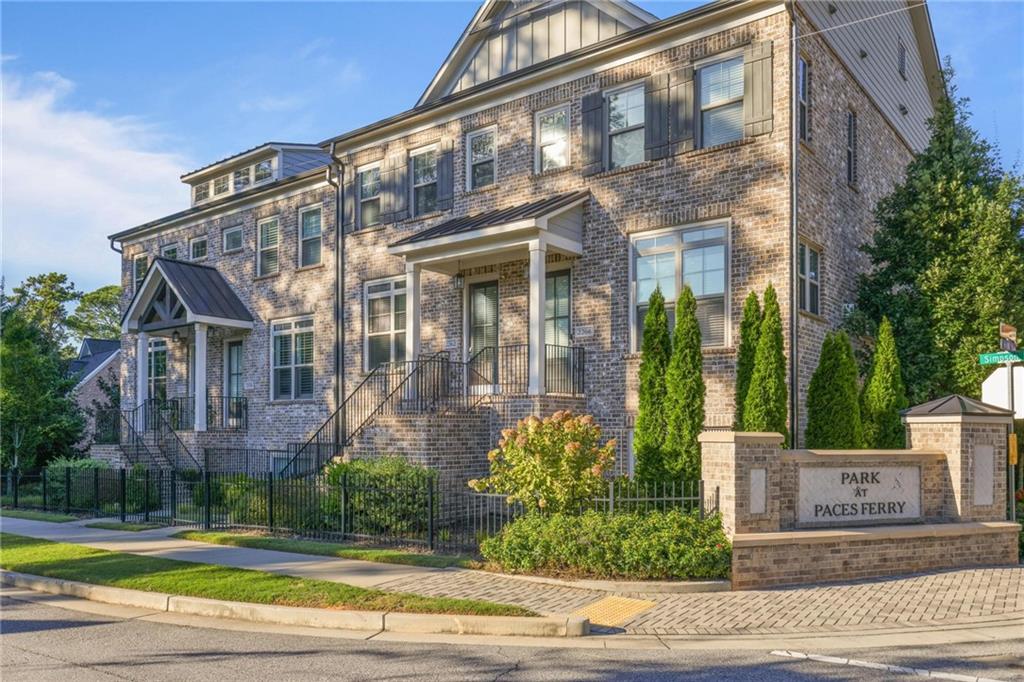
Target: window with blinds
{"points": [[384, 327], [694, 256], [720, 87], [292, 377]]}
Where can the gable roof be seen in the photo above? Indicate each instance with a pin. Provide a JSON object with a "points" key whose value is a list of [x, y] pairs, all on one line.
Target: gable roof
{"points": [[258, 150], [91, 346], [85, 368], [505, 36]]}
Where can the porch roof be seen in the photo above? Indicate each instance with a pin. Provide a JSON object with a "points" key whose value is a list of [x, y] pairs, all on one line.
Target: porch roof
{"points": [[201, 290]]}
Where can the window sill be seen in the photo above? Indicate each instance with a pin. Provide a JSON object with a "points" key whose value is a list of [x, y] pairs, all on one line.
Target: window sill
{"points": [[231, 251], [720, 147], [853, 187], [306, 268], [424, 216], [493, 187], [708, 351], [556, 171], [368, 230], [272, 275], [812, 316], [624, 169], [806, 146], [293, 401]]}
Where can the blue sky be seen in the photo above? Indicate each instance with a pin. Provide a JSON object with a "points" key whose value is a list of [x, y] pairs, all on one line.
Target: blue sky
{"points": [[105, 104]]}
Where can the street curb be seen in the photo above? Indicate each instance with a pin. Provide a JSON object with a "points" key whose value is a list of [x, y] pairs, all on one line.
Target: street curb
{"points": [[621, 586], [374, 621]]}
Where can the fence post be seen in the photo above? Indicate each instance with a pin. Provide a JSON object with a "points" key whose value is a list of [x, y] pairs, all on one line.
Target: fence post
{"points": [[174, 498], [122, 491], [67, 490], [44, 489], [270, 501], [344, 505], [700, 494], [145, 498], [206, 499], [96, 492], [16, 477], [611, 496], [430, 512]]}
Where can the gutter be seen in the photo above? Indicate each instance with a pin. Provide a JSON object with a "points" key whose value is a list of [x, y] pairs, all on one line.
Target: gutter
{"points": [[334, 177], [794, 237]]}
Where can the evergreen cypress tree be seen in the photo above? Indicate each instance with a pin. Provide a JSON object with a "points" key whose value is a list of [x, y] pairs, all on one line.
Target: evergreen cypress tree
{"points": [[684, 399], [750, 329], [649, 433], [833, 411], [766, 406], [884, 395]]}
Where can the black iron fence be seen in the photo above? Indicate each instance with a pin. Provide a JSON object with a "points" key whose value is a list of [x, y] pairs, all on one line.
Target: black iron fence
{"points": [[405, 510]]}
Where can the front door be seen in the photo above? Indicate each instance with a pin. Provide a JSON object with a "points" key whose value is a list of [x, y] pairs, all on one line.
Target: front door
{"points": [[483, 332], [234, 410]]}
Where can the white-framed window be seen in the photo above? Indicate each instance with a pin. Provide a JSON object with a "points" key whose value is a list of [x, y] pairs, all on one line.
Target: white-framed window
{"points": [[369, 196], [901, 58], [243, 178], [197, 248], [157, 361], [851, 147], [169, 251], [310, 241], [694, 255], [268, 258], [201, 192], [140, 265], [424, 181], [625, 115], [480, 158], [292, 359], [221, 185], [263, 171], [804, 99], [232, 239], [720, 93], [810, 278], [552, 136], [384, 321]]}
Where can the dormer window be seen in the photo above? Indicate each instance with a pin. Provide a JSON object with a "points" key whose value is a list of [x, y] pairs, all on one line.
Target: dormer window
{"points": [[201, 192], [243, 178], [264, 170], [220, 185]]}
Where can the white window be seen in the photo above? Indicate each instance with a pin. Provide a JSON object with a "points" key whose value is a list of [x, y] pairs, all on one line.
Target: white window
{"points": [[810, 279], [851, 148], [552, 135], [696, 256], [424, 181], [221, 185], [264, 170], [170, 251], [720, 87], [268, 261], [625, 126], [140, 264], [804, 99], [309, 236], [201, 192], [384, 322], [233, 239], [369, 196], [479, 159], [292, 371], [243, 178], [197, 248]]}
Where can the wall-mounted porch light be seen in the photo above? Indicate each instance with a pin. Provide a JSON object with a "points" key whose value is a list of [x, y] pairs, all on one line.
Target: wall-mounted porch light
{"points": [[458, 281]]}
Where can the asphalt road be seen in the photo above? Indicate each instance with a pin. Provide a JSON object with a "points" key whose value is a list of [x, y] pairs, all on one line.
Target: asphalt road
{"points": [[40, 643]]}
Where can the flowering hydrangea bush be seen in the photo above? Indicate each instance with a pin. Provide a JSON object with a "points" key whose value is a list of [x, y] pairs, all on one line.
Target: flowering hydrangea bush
{"points": [[553, 464]]}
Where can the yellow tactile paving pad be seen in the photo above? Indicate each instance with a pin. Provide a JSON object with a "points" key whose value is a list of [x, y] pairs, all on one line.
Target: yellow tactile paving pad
{"points": [[613, 611]]}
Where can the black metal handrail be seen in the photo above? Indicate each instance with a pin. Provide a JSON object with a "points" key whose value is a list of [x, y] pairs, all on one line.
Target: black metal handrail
{"points": [[131, 442], [564, 369], [107, 426], [227, 413], [171, 446]]}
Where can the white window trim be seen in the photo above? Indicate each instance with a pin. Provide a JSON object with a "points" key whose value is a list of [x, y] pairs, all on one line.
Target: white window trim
{"points": [[699, 109], [273, 171], [366, 314], [273, 368], [606, 109], [209, 192], [163, 250], [805, 281], [470, 136], [298, 255], [412, 180], [230, 173], [213, 185], [568, 135], [260, 249], [136, 280], [636, 236], [194, 240], [224, 239], [358, 217]]}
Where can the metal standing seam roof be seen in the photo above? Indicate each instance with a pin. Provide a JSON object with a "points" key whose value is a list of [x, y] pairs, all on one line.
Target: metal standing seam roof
{"points": [[953, 405], [270, 145], [534, 209], [202, 289], [83, 367]]}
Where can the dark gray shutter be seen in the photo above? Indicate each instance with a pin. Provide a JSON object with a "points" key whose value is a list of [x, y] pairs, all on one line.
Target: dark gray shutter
{"points": [[810, 102], [445, 176], [593, 133], [656, 111], [348, 199], [681, 109], [757, 89], [400, 186], [387, 183], [853, 148]]}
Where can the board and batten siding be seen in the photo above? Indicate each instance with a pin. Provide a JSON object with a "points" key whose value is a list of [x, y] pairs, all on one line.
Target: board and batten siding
{"points": [[857, 26]]}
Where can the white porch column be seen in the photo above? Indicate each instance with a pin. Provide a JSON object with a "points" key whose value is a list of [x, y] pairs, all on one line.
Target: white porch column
{"points": [[141, 377], [538, 280], [200, 369], [412, 311]]}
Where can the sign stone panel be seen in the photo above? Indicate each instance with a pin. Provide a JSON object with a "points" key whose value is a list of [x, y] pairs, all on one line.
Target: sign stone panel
{"points": [[836, 496], [984, 475]]}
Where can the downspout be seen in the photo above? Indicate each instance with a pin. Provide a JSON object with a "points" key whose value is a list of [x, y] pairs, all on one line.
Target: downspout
{"points": [[794, 238], [114, 248], [334, 179]]}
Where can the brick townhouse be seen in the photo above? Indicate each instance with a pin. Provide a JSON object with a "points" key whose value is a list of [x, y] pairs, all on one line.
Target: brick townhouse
{"points": [[499, 240]]}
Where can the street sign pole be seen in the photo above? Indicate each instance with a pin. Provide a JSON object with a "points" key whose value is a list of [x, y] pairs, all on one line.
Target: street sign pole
{"points": [[1012, 480]]}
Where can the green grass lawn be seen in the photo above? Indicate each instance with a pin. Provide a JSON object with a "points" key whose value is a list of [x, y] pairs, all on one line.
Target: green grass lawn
{"points": [[384, 556], [32, 515], [116, 525], [153, 574]]}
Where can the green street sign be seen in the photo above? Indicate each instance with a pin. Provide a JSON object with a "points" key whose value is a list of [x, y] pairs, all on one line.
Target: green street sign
{"points": [[1000, 358]]}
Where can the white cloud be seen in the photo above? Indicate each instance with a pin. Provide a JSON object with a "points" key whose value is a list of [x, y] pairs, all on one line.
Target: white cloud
{"points": [[71, 176]]}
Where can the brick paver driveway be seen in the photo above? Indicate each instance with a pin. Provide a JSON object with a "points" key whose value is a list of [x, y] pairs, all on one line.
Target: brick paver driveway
{"points": [[944, 598]]}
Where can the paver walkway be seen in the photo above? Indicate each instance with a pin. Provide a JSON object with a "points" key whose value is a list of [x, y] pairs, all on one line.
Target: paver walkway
{"points": [[946, 598]]}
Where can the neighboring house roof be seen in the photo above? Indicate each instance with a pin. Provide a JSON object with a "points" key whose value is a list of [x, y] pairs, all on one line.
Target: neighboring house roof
{"points": [[92, 346], [953, 405], [86, 368], [201, 289], [253, 151], [528, 211]]}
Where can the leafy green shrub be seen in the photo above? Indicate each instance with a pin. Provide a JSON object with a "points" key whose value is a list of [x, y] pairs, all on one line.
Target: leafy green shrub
{"points": [[766, 407], [555, 464], [833, 408], [750, 330], [684, 393], [635, 546], [57, 465], [655, 349], [884, 394], [376, 496]]}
